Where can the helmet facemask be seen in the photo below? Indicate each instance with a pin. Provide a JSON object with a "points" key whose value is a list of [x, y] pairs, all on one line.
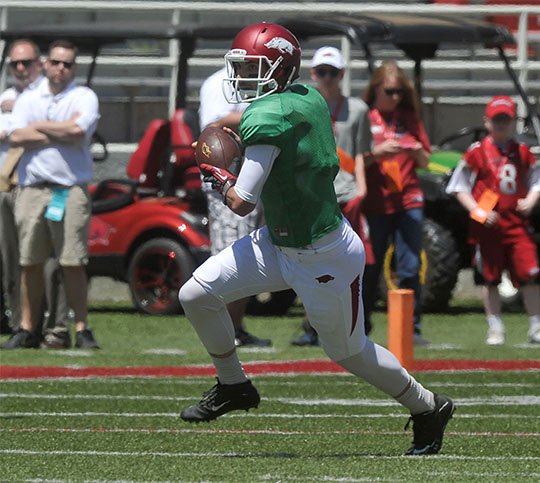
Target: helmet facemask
{"points": [[248, 89]]}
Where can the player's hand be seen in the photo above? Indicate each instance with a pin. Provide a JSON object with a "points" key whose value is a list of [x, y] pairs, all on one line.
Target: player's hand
{"points": [[232, 133], [7, 105], [220, 179], [492, 219], [524, 207]]}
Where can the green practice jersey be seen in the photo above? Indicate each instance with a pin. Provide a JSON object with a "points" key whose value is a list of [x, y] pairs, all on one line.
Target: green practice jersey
{"points": [[298, 197]]}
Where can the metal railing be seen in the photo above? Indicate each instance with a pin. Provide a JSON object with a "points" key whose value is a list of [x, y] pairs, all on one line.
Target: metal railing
{"points": [[179, 12]]}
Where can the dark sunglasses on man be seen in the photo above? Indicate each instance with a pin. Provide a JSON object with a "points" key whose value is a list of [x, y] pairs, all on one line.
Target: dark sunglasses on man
{"points": [[326, 71], [67, 65], [25, 63]]}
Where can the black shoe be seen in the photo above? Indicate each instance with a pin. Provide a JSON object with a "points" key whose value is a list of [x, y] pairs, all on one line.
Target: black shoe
{"points": [[243, 338], [309, 337], [84, 339], [57, 339], [428, 428], [21, 339], [5, 328], [222, 399]]}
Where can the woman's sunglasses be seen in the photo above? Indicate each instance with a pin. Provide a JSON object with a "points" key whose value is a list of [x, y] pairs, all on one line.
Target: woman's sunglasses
{"points": [[393, 92], [324, 71], [25, 63]]}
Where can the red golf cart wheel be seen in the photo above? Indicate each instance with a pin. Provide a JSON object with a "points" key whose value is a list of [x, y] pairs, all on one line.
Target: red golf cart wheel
{"points": [[156, 272]]}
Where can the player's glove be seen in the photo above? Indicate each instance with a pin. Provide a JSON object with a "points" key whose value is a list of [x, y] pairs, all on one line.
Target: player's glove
{"points": [[220, 179]]}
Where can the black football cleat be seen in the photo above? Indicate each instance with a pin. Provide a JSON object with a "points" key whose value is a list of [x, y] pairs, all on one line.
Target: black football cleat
{"points": [[428, 428], [84, 339], [221, 399], [21, 339]]}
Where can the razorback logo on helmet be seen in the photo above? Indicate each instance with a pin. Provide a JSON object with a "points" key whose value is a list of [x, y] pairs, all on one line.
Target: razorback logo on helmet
{"points": [[283, 45]]}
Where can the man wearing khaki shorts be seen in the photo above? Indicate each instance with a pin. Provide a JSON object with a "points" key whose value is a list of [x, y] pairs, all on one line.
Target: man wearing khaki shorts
{"points": [[25, 69], [54, 124]]}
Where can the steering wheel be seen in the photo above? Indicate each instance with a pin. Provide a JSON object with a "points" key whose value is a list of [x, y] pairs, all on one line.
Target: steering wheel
{"points": [[477, 133]]}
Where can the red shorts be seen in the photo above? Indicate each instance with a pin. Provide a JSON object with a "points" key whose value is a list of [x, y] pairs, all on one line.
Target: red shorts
{"points": [[518, 255], [352, 211]]}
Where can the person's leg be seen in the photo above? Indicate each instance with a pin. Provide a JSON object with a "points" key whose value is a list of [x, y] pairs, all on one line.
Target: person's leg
{"points": [[247, 267], [335, 309], [9, 251], [531, 300], [380, 229], [225, 227], [56, 329], [524, 270], [35, 245], [70, 240], [408, 250], [490, 260], [32, 290], [77, 294]]}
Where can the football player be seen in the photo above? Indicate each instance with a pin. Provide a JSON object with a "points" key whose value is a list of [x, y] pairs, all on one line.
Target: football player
{"points": [[290, 163]]}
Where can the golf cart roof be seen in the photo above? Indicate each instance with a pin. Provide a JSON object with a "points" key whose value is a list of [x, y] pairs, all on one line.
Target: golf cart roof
{"points": [[89, 36], [418, 35]]}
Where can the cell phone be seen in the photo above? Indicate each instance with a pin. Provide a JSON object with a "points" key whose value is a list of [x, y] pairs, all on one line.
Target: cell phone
{"points": [[408, 145]]}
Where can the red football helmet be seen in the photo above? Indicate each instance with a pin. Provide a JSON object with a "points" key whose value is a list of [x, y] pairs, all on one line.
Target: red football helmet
{"points": [[274, 57]]}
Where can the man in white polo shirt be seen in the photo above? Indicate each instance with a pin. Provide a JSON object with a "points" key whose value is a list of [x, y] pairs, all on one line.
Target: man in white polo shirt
{"points": [[25, 69], [54, 124]]}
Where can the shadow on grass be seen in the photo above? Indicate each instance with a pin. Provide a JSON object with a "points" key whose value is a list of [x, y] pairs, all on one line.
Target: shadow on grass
{"points": [[124, 309]]}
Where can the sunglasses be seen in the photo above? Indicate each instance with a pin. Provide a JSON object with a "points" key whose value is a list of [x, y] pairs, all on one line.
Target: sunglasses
{"points": [[393, 92], [324, 71], [67, 65], [25, 63]]}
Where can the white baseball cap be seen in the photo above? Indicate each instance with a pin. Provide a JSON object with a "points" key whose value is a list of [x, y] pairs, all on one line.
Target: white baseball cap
{"points": [[328, 56]]}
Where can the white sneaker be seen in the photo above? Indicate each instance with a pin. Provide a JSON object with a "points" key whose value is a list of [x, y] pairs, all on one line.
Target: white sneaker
{"points": [[534, 335], [495, 337]]}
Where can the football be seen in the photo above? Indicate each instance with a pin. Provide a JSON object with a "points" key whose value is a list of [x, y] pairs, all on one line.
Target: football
{"points": [[217, 148]]}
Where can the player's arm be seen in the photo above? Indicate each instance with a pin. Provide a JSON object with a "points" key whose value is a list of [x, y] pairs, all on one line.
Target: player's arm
{"points": [[79, 127], [460, 185], [28, 138], [244, 195], [64, 132], [21, 133], [230, 120], [525, 205], [360, 175]]}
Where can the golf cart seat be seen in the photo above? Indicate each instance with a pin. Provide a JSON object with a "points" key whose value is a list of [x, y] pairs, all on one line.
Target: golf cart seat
{"points": [[143, 170], [184, 131], [145, 164]]}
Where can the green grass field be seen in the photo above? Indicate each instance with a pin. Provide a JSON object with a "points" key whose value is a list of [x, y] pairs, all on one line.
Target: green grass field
{"points": [[307, 428]]}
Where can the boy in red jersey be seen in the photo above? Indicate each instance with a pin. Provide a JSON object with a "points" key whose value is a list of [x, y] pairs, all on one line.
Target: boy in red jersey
{"points": [[498, 182]]}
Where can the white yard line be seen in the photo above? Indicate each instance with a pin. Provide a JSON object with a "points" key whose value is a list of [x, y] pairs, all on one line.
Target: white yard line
{"points": [[270, 432], [522, 400], [269, 377], [89, 414], [165, 454]]}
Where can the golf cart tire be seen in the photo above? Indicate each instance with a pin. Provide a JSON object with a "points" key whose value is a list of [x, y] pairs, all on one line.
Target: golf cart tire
{"points": [[442, 266], [271, 303], [157, 270]]}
